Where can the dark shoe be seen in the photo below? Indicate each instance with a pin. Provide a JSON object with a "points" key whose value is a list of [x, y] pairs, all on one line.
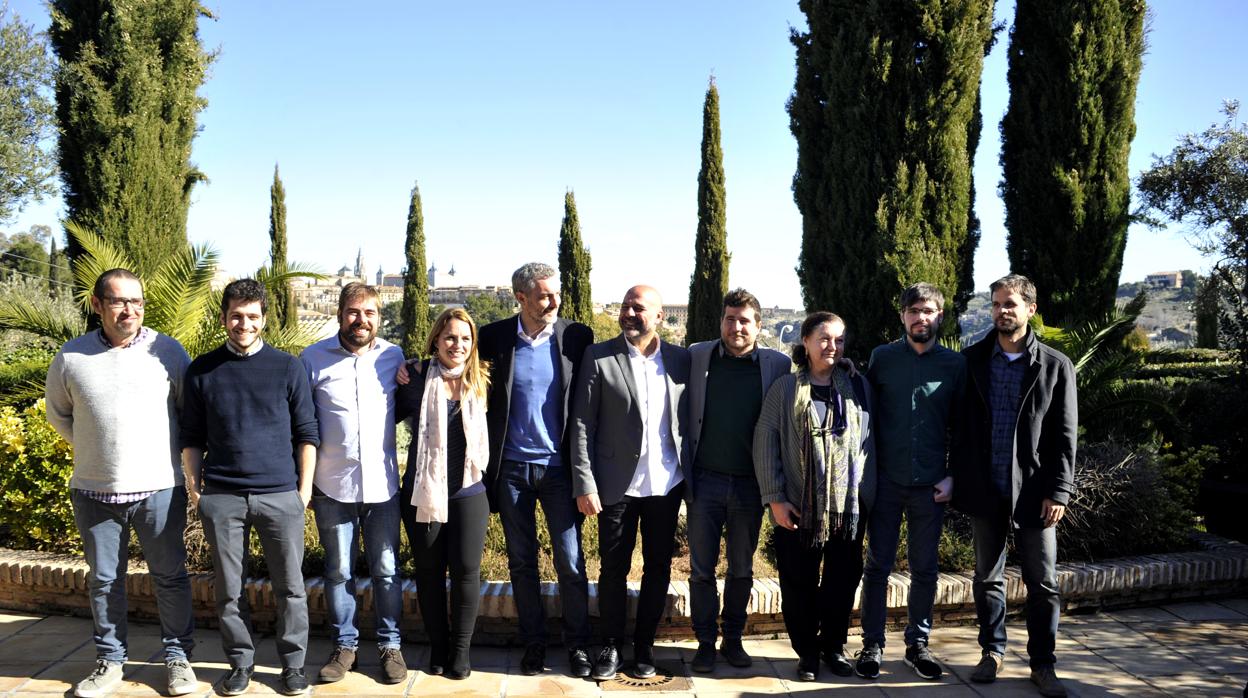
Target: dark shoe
{"points": [[458, 665], [607, 663], [643, 662], [437, 661], [869, 658], [578, 663], [340, 661], [988, 668], [704, 658], [1046, 680], [534, 660], [294, 681], [807, 669], [458, 674], [839, 662], [735, 653], [236, 681], [919, 658], [393, 666]]}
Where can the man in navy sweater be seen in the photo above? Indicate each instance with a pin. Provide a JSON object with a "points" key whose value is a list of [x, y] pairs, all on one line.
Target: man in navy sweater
{"points": [[249, 436]]}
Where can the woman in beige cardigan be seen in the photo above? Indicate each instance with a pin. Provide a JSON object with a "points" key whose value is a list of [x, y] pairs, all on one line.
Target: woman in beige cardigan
{"points": [[814, 456]]}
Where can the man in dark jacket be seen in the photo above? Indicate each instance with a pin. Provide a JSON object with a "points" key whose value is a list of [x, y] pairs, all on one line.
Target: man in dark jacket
{"points": [[1017, 472], [534, 359]]}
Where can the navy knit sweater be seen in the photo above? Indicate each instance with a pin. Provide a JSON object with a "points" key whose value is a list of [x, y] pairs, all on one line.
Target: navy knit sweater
{"points": [[248, 413]]}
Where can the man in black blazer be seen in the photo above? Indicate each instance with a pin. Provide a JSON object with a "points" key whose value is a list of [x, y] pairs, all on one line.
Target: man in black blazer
{"points": [[534, 358], [627, 427]]}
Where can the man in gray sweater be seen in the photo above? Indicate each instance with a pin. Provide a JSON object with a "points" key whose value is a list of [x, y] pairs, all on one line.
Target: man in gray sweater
{"points": [[114, 394]]}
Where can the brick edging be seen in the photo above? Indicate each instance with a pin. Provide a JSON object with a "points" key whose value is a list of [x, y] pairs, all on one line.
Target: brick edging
{"points": [[53, 583]]}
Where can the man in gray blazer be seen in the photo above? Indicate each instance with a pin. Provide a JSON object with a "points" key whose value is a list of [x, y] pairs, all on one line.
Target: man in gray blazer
{"points": [[728, 378], [627, 418]]}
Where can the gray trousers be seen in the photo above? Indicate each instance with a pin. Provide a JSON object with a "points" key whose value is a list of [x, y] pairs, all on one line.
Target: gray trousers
{"points": [[277, 520]]}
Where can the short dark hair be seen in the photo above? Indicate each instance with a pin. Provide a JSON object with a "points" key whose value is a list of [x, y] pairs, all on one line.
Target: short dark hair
{"points": [[1018, 284], [812, 321], [739, 298], [356, 291], [244, 291], [101, 283], [920, 292]]}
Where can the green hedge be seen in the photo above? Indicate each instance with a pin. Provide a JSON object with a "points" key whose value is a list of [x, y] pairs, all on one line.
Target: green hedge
{"points": [[35, 467], [1188, 356]]}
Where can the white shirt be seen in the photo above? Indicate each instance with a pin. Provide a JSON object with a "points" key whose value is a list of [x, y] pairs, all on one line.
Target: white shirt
{"points": [[354, 397], [542, 337], [658, 468]]}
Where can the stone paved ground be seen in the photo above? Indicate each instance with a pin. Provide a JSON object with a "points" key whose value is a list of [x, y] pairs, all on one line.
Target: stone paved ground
{"points": [[1198, 648]]}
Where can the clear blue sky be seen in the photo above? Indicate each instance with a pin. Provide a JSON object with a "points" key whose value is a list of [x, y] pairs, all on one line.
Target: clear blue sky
{"points": [[497, 108]]}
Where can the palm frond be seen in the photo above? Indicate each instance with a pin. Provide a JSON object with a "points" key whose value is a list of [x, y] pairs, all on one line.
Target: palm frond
{"points": [[22, 394], [99, 255], [269, 276], [40, 317], [180, 292]]}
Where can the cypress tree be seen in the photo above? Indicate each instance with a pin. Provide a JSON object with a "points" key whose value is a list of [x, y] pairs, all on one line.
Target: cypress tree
{"points": [[126, 105], [285, 314], [415, 313], [574, 266], [1065, 138], [883, 109], [709, 282], [1207, 309]]}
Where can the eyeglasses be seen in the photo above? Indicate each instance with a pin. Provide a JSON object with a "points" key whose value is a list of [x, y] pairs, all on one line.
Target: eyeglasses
{"points": [[119, 303]]}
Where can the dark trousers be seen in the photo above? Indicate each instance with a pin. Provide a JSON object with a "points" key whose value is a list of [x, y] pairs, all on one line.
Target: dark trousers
{"points": [[617, 536], [1037, 550], [816, 609], [277, 520], [455, 546], [520, 487], [726, 507]]}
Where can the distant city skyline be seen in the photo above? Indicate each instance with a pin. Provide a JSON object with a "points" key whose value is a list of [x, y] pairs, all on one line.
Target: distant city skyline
{"points": [[497, 109]]}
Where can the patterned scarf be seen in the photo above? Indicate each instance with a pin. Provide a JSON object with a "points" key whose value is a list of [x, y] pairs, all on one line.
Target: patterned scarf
{"points": [[831, 461], [430, 494]]}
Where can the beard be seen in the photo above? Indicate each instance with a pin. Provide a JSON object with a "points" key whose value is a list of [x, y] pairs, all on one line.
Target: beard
{"points": [[1008, 325], [348, 338], [923, 334]]}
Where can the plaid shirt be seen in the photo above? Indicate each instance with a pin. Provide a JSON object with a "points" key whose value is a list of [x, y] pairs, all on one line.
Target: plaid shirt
{"points": [[1004, 396]]}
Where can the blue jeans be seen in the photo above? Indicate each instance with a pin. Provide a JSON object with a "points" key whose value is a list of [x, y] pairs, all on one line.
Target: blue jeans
{"points": [[728, 507], [159, 522], [341, 526], [1037, 550], [520, 487], [924, 518]]}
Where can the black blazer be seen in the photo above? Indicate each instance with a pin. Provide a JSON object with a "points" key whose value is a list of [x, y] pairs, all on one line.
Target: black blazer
{"points": [[496, 343], [1045, 435]]}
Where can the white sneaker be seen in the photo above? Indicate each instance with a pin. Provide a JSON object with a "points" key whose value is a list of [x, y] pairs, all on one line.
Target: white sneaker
{"points": [[105, 678], [181, 677]]}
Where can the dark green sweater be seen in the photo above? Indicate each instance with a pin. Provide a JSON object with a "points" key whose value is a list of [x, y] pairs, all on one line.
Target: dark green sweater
{"points": [[734, 398]]}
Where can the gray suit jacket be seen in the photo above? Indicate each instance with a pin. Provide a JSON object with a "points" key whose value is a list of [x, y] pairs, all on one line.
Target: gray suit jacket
{"points": [[606, 418], [772, 365]]}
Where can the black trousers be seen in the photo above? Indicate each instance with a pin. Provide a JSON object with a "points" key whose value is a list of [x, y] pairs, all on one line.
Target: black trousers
{"points": [[456, 546], [617, 536], [816, 609]]}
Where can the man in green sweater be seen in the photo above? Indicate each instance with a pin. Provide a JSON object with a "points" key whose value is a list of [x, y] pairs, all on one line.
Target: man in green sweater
{"points": [[113, 394], [728, 378]]}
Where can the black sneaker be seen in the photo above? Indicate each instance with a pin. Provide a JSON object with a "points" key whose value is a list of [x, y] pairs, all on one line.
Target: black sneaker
{"points": [[807, 669], [869, 658], [294, 681], [236, 682], [534, 660], [839, 662], [704, 658], [735, 653], [919, 658]]}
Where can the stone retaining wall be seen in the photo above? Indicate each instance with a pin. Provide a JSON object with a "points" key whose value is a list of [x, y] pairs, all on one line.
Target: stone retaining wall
{"points": [[49, 583]]}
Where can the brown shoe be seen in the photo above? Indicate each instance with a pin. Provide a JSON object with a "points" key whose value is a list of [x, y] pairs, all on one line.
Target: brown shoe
{"points": [[340, 661], [988, 668], [393, 668], [1046, 679]]}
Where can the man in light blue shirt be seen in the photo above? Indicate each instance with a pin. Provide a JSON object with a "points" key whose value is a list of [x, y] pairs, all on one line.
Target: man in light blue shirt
{"points": [[352, 375]]}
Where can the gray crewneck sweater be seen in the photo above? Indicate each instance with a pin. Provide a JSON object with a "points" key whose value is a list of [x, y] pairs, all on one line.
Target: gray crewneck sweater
{"points": [[118, 407]]}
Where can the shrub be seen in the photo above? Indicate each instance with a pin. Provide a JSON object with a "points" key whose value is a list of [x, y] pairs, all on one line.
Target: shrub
{"points": [[35, 467]]}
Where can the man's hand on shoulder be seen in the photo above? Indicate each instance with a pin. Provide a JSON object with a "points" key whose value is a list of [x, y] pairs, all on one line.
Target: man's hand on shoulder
{"points": [[403, 376]]}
